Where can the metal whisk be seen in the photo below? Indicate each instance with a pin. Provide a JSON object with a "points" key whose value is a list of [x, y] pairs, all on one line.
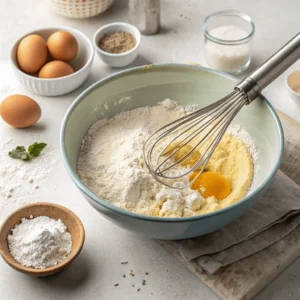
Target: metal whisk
{"points": [[191, 140]]}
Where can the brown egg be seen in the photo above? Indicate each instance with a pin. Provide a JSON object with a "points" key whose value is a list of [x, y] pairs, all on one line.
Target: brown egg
{"points": [[62, 45], [20, 111], [32, 53], [55, 69]]}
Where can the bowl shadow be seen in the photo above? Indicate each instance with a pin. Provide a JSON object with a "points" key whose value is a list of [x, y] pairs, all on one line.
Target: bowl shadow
{"points": [[74, 277], [139, 61]]}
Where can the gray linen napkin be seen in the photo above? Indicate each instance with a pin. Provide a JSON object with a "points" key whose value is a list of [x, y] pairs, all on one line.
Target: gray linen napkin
{"points": [[273, 216]]}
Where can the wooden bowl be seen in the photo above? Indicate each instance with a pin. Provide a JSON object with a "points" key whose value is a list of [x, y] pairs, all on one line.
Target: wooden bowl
{"points": [[54, 211]]}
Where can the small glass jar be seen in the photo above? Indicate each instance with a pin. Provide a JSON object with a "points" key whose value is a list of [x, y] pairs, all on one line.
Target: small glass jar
{"points": [[227, 41]]}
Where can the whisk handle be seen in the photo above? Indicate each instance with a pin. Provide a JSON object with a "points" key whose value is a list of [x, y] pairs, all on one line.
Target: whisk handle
{"points": [[271, 69]]}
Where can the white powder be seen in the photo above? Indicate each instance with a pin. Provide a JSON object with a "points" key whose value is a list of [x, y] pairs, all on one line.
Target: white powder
{"points": [[123, 99], [40, 242], [19, 180], [122, 178], [227, 57], [5, 89], [111, 163], [243, 135]]}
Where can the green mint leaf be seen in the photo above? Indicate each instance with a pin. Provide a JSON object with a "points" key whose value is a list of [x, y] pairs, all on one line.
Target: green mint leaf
{"points": [[25, 156], [35, 149], [19, 153], [20, 149]]}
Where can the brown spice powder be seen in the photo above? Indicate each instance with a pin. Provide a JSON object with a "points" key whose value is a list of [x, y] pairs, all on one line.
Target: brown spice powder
{"points": [[117, 42]]}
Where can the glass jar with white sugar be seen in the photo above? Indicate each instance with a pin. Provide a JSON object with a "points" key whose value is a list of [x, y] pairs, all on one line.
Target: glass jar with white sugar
{"points": [[227, 41]]}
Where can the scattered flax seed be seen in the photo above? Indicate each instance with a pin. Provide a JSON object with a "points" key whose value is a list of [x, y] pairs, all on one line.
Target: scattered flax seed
{"points": [[146, 273], [124, 262], [138, 289], [124, 275], [116, 284], [144, 282], [132, 274]]}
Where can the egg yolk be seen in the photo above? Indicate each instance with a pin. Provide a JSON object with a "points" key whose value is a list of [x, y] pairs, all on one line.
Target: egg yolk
{"points": [[191, 159], [208, 183], [211, 184]]}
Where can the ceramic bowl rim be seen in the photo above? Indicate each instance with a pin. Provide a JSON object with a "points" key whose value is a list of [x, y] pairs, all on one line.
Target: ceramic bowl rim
{"points": [[130, 214], [115, 55], [287, 83], [88, 43]]}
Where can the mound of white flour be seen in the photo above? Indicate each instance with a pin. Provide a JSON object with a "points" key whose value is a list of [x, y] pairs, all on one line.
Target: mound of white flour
{"points": [[40, 242], [111, 164]]}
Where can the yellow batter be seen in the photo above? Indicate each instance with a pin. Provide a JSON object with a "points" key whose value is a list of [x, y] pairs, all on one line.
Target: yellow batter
{"points": [[232, 160]]}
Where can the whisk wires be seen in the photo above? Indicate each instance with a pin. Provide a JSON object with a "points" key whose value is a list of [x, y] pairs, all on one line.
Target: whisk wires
{"points": [[190, 140]]}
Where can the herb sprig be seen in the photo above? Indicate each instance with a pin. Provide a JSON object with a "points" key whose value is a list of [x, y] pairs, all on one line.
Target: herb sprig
{"points": [[32, 151]]}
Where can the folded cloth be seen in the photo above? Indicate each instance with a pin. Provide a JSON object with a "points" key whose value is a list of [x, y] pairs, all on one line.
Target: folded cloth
{"points": [[291, 157], [272, 217]]}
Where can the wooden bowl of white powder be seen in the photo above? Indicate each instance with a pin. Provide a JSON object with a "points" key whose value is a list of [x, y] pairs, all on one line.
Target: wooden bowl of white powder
{"points": [[41, 239]]}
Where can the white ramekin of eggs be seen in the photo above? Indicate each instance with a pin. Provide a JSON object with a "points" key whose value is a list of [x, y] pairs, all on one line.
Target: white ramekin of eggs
{"points": [[52, 61]]}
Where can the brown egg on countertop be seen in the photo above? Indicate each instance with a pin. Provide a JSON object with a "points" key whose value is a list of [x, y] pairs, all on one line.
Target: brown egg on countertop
{"points": [[20, 111], [55, 69], [32, 53], [62, 45]]}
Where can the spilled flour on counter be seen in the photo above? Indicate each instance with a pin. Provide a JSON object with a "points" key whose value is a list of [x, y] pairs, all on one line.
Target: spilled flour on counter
{"points": [[111, 164], [20, 180]]}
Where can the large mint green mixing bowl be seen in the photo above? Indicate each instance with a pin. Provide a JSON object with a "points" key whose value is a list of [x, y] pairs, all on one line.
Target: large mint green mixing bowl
{"points": [[186, 84]]}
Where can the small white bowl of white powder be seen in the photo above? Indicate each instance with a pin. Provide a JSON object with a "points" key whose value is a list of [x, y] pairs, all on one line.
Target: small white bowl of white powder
{"points": [[41, 239]]}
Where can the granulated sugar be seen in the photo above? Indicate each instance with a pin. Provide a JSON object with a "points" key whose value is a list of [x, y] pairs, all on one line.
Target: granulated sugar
{"points": [[227, 57]]}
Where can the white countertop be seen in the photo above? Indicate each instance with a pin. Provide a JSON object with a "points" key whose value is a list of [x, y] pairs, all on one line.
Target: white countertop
{"points": [[98, 268]]}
